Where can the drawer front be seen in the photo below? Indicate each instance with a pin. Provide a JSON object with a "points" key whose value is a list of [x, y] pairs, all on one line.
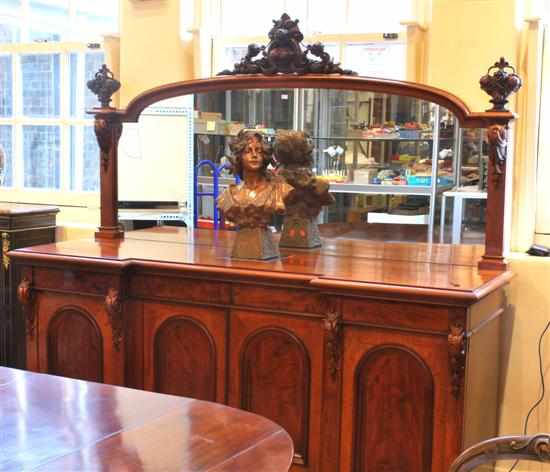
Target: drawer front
{"points": [[180, 289], [277, 298], [400, 315], [73, 280]]}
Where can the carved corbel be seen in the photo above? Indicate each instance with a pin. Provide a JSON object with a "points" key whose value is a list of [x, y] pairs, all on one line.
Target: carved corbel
{"points": [[107, 131], [497, 136], [333, 336], [457, 356], [5, 249], [113, 305], [25, 297]]}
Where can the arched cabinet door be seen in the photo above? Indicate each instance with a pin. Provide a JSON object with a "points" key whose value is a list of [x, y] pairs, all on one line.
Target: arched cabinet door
{"points": [[75, 339], [275, 365], [398, 411], [185, 351]]}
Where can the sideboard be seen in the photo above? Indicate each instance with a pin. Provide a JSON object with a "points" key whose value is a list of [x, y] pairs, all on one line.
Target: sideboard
{"points": [[373, 356]]}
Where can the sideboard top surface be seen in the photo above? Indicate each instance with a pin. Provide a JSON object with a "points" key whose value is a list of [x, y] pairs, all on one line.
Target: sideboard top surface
{"points": [[341, 264]]}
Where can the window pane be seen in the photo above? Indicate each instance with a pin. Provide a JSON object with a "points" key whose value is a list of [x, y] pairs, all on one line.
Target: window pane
{"points": [[6, 150], [90, 178], [41, 85], [384, 60], [96, 18], [49, 19], [41, 156], [326, 17], [6, 86], [9, 33], [365, 19], [10, 7], [84, 147], [233, 12]]}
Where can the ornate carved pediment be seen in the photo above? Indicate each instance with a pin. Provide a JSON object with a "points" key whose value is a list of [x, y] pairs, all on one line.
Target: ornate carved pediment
{"points": [[285, 54]]}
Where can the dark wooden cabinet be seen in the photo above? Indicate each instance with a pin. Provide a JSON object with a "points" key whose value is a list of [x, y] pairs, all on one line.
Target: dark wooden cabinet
{"points": [[20, 226], [370, 362]]}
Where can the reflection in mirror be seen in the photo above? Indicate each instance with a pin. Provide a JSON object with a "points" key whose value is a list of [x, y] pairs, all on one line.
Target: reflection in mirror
{"points": [[399, 168], [156, 166]]}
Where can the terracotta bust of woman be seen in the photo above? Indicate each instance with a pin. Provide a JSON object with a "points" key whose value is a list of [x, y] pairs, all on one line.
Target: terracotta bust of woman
{"points": [[252, 203]]}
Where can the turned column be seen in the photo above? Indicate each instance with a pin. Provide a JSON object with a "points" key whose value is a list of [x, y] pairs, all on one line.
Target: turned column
{"points": [[500, 81], [108, 128]]}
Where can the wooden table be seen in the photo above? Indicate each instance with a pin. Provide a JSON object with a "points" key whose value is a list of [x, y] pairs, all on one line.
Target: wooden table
{"points": [[50, 423]]}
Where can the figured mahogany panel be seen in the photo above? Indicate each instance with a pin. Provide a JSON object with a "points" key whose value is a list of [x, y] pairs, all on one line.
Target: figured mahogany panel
{"points": [[275, 298], [72, 280], [185, 359], [399, 315], [184, 289], [75, 345], [394, 409], [275, 382]]}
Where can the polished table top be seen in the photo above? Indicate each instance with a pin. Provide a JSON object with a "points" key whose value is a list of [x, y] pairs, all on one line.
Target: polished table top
{"points": [[50, 423]]}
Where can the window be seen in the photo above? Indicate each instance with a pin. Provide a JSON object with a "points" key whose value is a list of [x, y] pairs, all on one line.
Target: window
{"points": [[47, 140], [362, 48], [56, 20]]}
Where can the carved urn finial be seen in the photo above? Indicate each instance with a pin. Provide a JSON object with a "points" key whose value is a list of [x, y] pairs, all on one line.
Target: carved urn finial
{"points": [[500, 81], [104, 85], [285, 54]]}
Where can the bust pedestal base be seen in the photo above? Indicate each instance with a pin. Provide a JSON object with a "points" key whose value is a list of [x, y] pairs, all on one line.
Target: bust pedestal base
{"points": [[254, 243], [300, 233]]}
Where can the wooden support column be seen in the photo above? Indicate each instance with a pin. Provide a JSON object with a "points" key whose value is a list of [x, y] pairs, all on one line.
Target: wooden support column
{"points": [[108, 128], [500, 81]]}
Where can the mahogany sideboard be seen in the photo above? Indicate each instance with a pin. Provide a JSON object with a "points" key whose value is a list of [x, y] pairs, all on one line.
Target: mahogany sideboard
{"points": [[20, 226], [373, 356]]}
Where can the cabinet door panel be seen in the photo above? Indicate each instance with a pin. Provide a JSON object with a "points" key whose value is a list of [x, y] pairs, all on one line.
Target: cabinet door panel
{"points": [[185, 351], [275, 381], [398, 412], [75, 345], [276, 372], [393, 379], [75, 339]]}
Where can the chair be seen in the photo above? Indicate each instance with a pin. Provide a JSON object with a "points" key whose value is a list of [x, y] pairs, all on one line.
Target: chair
{"points": [[532, 448]]}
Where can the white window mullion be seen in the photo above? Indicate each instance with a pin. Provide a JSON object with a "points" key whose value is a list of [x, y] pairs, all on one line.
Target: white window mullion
{"points": [[25, 21], [79, 158], [65, 156], [72, 21], [17, 159]]}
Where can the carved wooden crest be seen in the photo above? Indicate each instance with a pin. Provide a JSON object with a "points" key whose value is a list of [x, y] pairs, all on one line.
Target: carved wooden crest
{"points": [[285, 54], [104, 85], [500, 81]]}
